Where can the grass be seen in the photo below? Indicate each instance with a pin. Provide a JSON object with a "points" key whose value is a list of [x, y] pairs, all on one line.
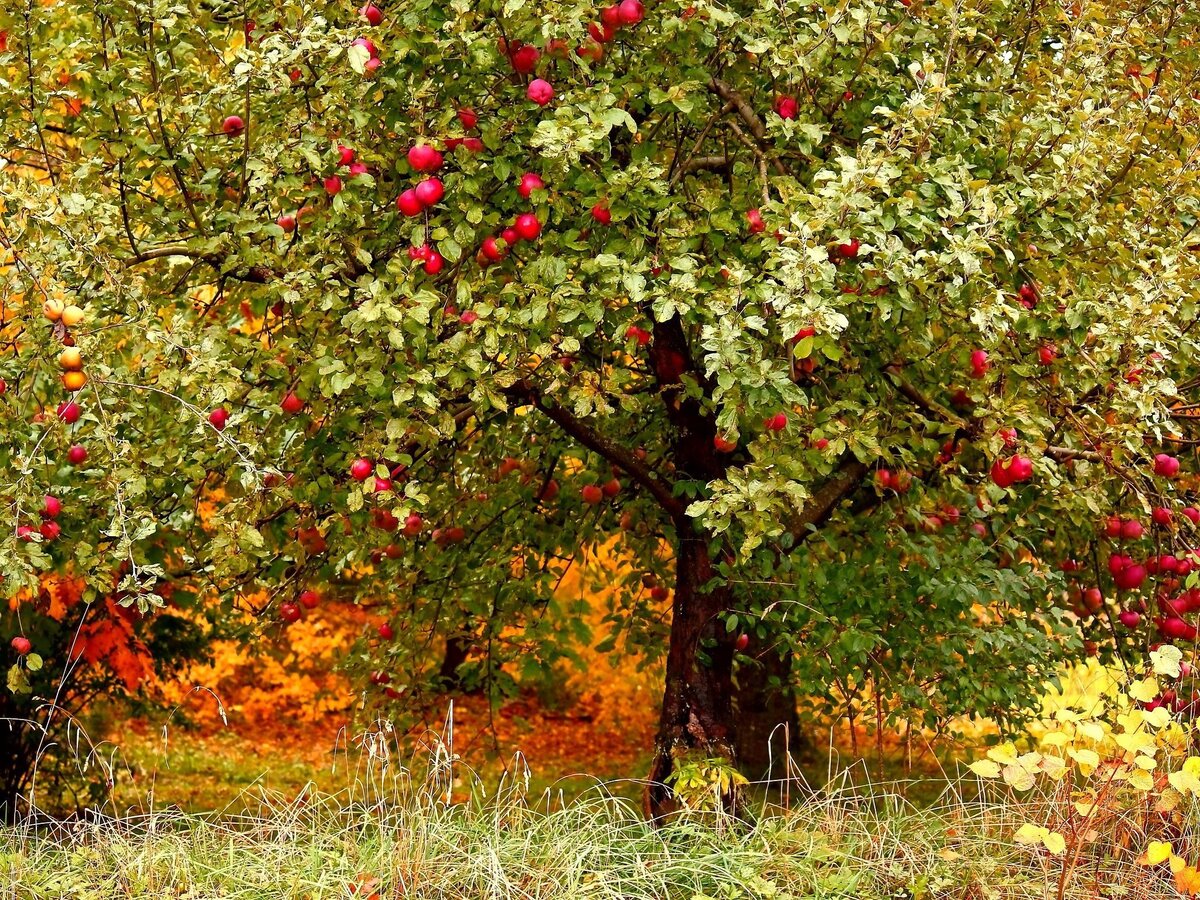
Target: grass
{"points": [[425, 826]]}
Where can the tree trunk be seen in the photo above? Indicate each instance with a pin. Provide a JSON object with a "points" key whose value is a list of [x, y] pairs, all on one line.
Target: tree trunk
{"points": [[697, 709], [458, 647], [768, 725], [16, 759]]}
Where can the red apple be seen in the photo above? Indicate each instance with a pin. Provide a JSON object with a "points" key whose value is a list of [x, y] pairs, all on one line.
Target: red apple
{"points": [[979, 363], [786, 107], [412, 525], [1165, 465], [77, 455], [540, 91], [51, 507], [286, 222], [233, 126], [742, 642], [309, 599], [1047, 354], [430, 191], [22, 645], [50, 529], [424, 158], [1160, 516], [218, 417], [723, 445], [492, 250], [69, 411], [777, 422], [1131, 529], [757, 225], [468, 117], [385, 631], [434, 263], [371, 14], [361, 469], [631, 12], [525, 58], [592, 494], [527, 226], [291, 404], [409, 203], [530, 182], [611, 488], [1129, 618], [289, 612], [601, 213]]}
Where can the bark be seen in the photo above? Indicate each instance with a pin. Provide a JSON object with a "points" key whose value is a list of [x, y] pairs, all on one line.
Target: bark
{"points": [[458, 647], [697, 709]]}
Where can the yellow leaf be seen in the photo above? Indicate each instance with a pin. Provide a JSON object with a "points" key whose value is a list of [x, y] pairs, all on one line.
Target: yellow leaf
{"points": [[1054, 842], [985, 768], [1087, 760], [1144, 690], [1156, 852], [1166, 660], [1018, 777], [1140, 779]]}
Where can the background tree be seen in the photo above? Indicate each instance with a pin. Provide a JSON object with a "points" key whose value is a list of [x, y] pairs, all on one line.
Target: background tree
{"points": [[842, 322]]}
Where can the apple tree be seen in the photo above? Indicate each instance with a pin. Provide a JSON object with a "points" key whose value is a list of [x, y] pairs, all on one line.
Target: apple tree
{"points": [[850, 326]]}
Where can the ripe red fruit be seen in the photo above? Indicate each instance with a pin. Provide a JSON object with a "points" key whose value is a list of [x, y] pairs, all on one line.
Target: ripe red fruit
{"points": [[69, 411], [509, 235], [233, 126], [592, 494], [848, 250], [289, 612], [1021, 468], [1130, 577], [527, 226], [25, 532], [1177, 629], [1028, 296], [530, 182], [525, 58], [1165, 465], [610, 16], [658, 592], [601, 213], [413, 524], [309, 599], [430, 191], [492, 250], [611, 488], [757, 225], [218, 417], [434, 263], [1131, 529], [549, 492], [409, 203], [368, 45], [468, 117], [1047, 354], [742, 642], [77, 455], [1112, 527], [51, 507], [286, 222], [1190, 512], [641, 335], [345, 155], [22, 645], [631, 12], [723, 444], [333, 185], [291, 404], [786, 107], [50, 529], [1129, 618], [424, 158], [361, 469], [385, 631], [540, 91], [470, 317], [381, 485], [371, 14], [777, 422], [357, 169], [979, 363], [1160, 516]]}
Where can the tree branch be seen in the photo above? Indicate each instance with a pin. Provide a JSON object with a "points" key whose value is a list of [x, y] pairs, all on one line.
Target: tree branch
{"points": [[744, 110], [611, 451], [821, 505]]}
